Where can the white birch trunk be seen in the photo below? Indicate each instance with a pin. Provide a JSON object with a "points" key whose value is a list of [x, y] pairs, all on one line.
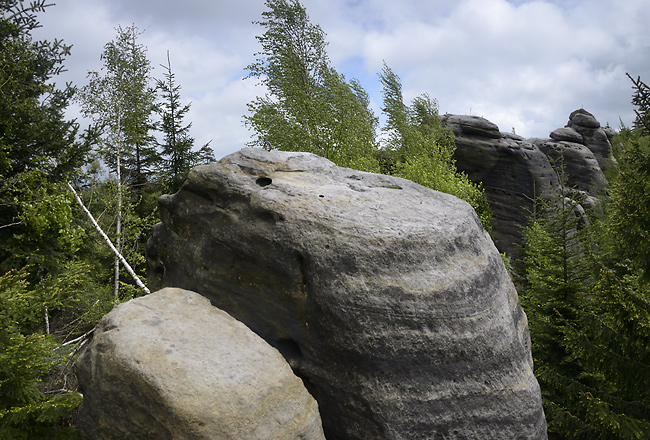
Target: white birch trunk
{"points": [[47, 321], [108, 241], [118, 235]]}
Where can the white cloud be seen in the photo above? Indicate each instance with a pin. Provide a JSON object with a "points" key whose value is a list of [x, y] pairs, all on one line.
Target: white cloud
{"points": [[523, 64]]}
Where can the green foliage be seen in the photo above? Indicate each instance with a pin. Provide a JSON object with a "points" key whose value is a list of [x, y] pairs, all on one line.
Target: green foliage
{"points": [[121, 102], [614, 342], [177, 154], [629, 193], [641, 99], [553, 299], [309, 107], [420, 149], [589, 318], [55, 285], [138, 214], [38, 147], [26, 356]]}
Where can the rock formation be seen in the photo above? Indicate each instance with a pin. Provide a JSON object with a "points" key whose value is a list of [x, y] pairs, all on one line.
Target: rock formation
{"points": [[514, 170], [388, 299], [171, 366]]}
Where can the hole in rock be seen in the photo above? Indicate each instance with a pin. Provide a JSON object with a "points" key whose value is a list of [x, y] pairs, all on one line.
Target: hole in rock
{"points": [[263, 181]]}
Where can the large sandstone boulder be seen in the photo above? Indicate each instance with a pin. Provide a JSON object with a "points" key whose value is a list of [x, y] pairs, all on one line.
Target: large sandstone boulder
{"points": [[388, 299], [171, 366]]}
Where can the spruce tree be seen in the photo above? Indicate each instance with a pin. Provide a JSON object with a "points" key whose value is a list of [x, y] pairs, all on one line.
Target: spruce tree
{"points": [[177, 152], [589, 318], [39, 149], [630, 185], [556, 285], [39, 152]]}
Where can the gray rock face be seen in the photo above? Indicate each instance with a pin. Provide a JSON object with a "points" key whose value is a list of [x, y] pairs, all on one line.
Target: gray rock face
{"points": [[595, 137], [567, 134], [472, 126], [388, 299], [171, 366], [583, 173], [514, 171]]}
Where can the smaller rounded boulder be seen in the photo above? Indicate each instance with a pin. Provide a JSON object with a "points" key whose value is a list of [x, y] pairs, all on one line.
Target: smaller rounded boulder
{"points": [[169, 365]]}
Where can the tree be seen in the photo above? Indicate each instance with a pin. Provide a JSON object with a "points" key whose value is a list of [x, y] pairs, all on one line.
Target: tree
{"points": [[612, 340], [309, 106], [553, 299], [641, 99], [39, 153], [630, 186], [589, 324], [177, 152], [420, 149], [121, 103], [39, 150]]}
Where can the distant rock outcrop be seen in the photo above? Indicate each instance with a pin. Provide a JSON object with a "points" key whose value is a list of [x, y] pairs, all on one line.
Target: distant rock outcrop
{"points": [[171, 366], [388, 299], [514, 170]]}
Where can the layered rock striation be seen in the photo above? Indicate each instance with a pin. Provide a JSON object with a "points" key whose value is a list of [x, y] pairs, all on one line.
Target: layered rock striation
{"points": [[514, 171], [171, 366], [388, 299]]}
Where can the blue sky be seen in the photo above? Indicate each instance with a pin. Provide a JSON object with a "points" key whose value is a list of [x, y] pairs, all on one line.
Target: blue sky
{"points": [[521, 64]]}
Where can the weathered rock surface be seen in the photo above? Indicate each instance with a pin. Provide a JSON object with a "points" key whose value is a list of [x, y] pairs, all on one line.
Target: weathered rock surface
{"points": [[581, 168], [171, 366], [514, 171], [388, 299], [595, 137], [567, 134]]}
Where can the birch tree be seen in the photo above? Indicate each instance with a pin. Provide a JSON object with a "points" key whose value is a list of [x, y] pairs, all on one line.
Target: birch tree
{"points": [[120, 101], [309, 106]]}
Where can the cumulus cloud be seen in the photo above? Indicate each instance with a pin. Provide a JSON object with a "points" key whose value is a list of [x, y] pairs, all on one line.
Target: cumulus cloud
{"points": [[522, 64]]}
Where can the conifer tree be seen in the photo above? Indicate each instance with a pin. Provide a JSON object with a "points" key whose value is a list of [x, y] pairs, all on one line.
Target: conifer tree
{"points": [[177, 152], [630, 186], [589, 325], [38, 147], [38, 154], [553, 298]]}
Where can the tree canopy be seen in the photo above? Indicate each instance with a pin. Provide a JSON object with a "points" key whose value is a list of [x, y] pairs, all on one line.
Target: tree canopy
{"points": [[309, 106], [587, 297], [39, 148], [177, 154]]}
